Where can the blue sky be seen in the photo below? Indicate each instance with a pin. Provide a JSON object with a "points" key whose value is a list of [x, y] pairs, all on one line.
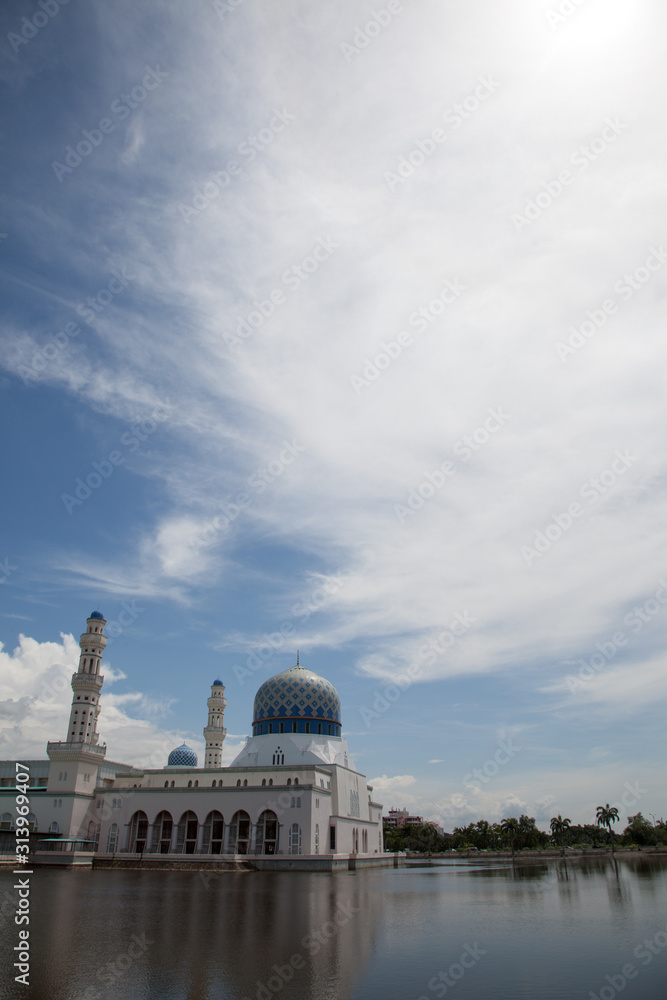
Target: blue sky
{"points": [[338, 327]]}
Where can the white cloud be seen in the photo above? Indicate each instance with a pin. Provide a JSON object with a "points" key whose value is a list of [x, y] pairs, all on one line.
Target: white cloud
{"points": [[613, 689], [395, 785], [394, 250]]}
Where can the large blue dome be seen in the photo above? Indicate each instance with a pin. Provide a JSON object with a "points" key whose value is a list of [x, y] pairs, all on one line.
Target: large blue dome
{"points": [[97, 614], [297, 701], [218, 683], [183, 756]]}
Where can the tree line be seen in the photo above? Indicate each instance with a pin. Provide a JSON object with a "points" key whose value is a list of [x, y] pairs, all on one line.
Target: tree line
{"points": [[522, 834]]}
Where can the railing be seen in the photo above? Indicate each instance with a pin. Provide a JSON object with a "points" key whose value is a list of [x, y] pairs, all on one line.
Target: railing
{"points": [[92, 747], [67, 844]]}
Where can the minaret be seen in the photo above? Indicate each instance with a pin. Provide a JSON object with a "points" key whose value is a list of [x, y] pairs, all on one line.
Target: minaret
{"points": [[75, 762], [214, 731], [87, 683]]}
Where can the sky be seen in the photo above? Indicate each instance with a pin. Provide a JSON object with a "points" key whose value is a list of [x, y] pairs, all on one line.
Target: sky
{"points": [[339, 328]]}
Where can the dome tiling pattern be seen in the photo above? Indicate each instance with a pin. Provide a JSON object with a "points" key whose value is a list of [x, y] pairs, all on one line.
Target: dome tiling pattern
{"points": [[297, 693], [183, 756]]}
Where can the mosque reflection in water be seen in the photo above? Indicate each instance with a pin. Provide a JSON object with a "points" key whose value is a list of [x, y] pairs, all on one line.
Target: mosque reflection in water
{"points": [[203, 936]]}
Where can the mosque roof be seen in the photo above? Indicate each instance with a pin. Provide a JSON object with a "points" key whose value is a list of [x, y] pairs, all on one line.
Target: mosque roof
{"points": [[297, 693]]}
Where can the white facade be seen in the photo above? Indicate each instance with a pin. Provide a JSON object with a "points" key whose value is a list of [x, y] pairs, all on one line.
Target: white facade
{"points": [[291, 791]]}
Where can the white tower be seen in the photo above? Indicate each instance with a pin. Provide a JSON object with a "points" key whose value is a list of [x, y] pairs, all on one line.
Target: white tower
{"points": [[87, 683], [214, 731], [75, 763]]}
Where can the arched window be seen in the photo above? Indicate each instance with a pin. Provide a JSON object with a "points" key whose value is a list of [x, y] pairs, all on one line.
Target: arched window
{"points": [[54, 828], [112, 838], [138, 833], [196, 784], [238, 783], [93, 835], [296, 781], [32, 822], [263, 781], [213, 783], [239, 833], [267, 833], [190, 784], [317, 838], [270, 781], [186, 833], [214, 828], [172, 784], [163, 828], [289, 781], [295, 839], [166, 784]]}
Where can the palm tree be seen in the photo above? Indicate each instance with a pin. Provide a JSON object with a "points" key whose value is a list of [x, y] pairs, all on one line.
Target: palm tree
{"points": [[558, 828], [606, 815], [510, 826]]}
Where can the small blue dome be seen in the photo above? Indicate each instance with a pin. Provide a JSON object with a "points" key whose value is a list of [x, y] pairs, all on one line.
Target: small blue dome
{"points": [[98, 614], [183, 756], [218, 683]]}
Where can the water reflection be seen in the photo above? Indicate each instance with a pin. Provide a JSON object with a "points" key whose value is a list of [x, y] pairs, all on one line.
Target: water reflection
{"points": [[197, 936], [546, 929]]}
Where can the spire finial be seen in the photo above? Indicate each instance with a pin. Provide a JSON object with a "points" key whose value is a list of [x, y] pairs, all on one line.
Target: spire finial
{"points": [[297, 657]]}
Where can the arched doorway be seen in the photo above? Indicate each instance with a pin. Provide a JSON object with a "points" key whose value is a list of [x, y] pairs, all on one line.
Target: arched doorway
{"points": [[214, 829], [267, 833], [239, 833], [138, 833], [186, 833], [163, 829]]}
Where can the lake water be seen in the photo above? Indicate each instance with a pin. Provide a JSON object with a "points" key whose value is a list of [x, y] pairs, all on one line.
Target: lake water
{"points": [[467, 930]]}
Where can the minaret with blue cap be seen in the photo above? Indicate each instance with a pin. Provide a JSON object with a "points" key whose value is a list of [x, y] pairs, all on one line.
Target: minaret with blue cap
{"points": [[214, 731], [87, 683]]}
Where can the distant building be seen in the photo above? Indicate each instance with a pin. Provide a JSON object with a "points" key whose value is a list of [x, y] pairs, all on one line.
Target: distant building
{"points": [[401, 817]]}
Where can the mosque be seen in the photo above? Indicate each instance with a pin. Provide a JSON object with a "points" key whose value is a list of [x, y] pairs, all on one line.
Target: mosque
{"points": [[292, 798]]}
